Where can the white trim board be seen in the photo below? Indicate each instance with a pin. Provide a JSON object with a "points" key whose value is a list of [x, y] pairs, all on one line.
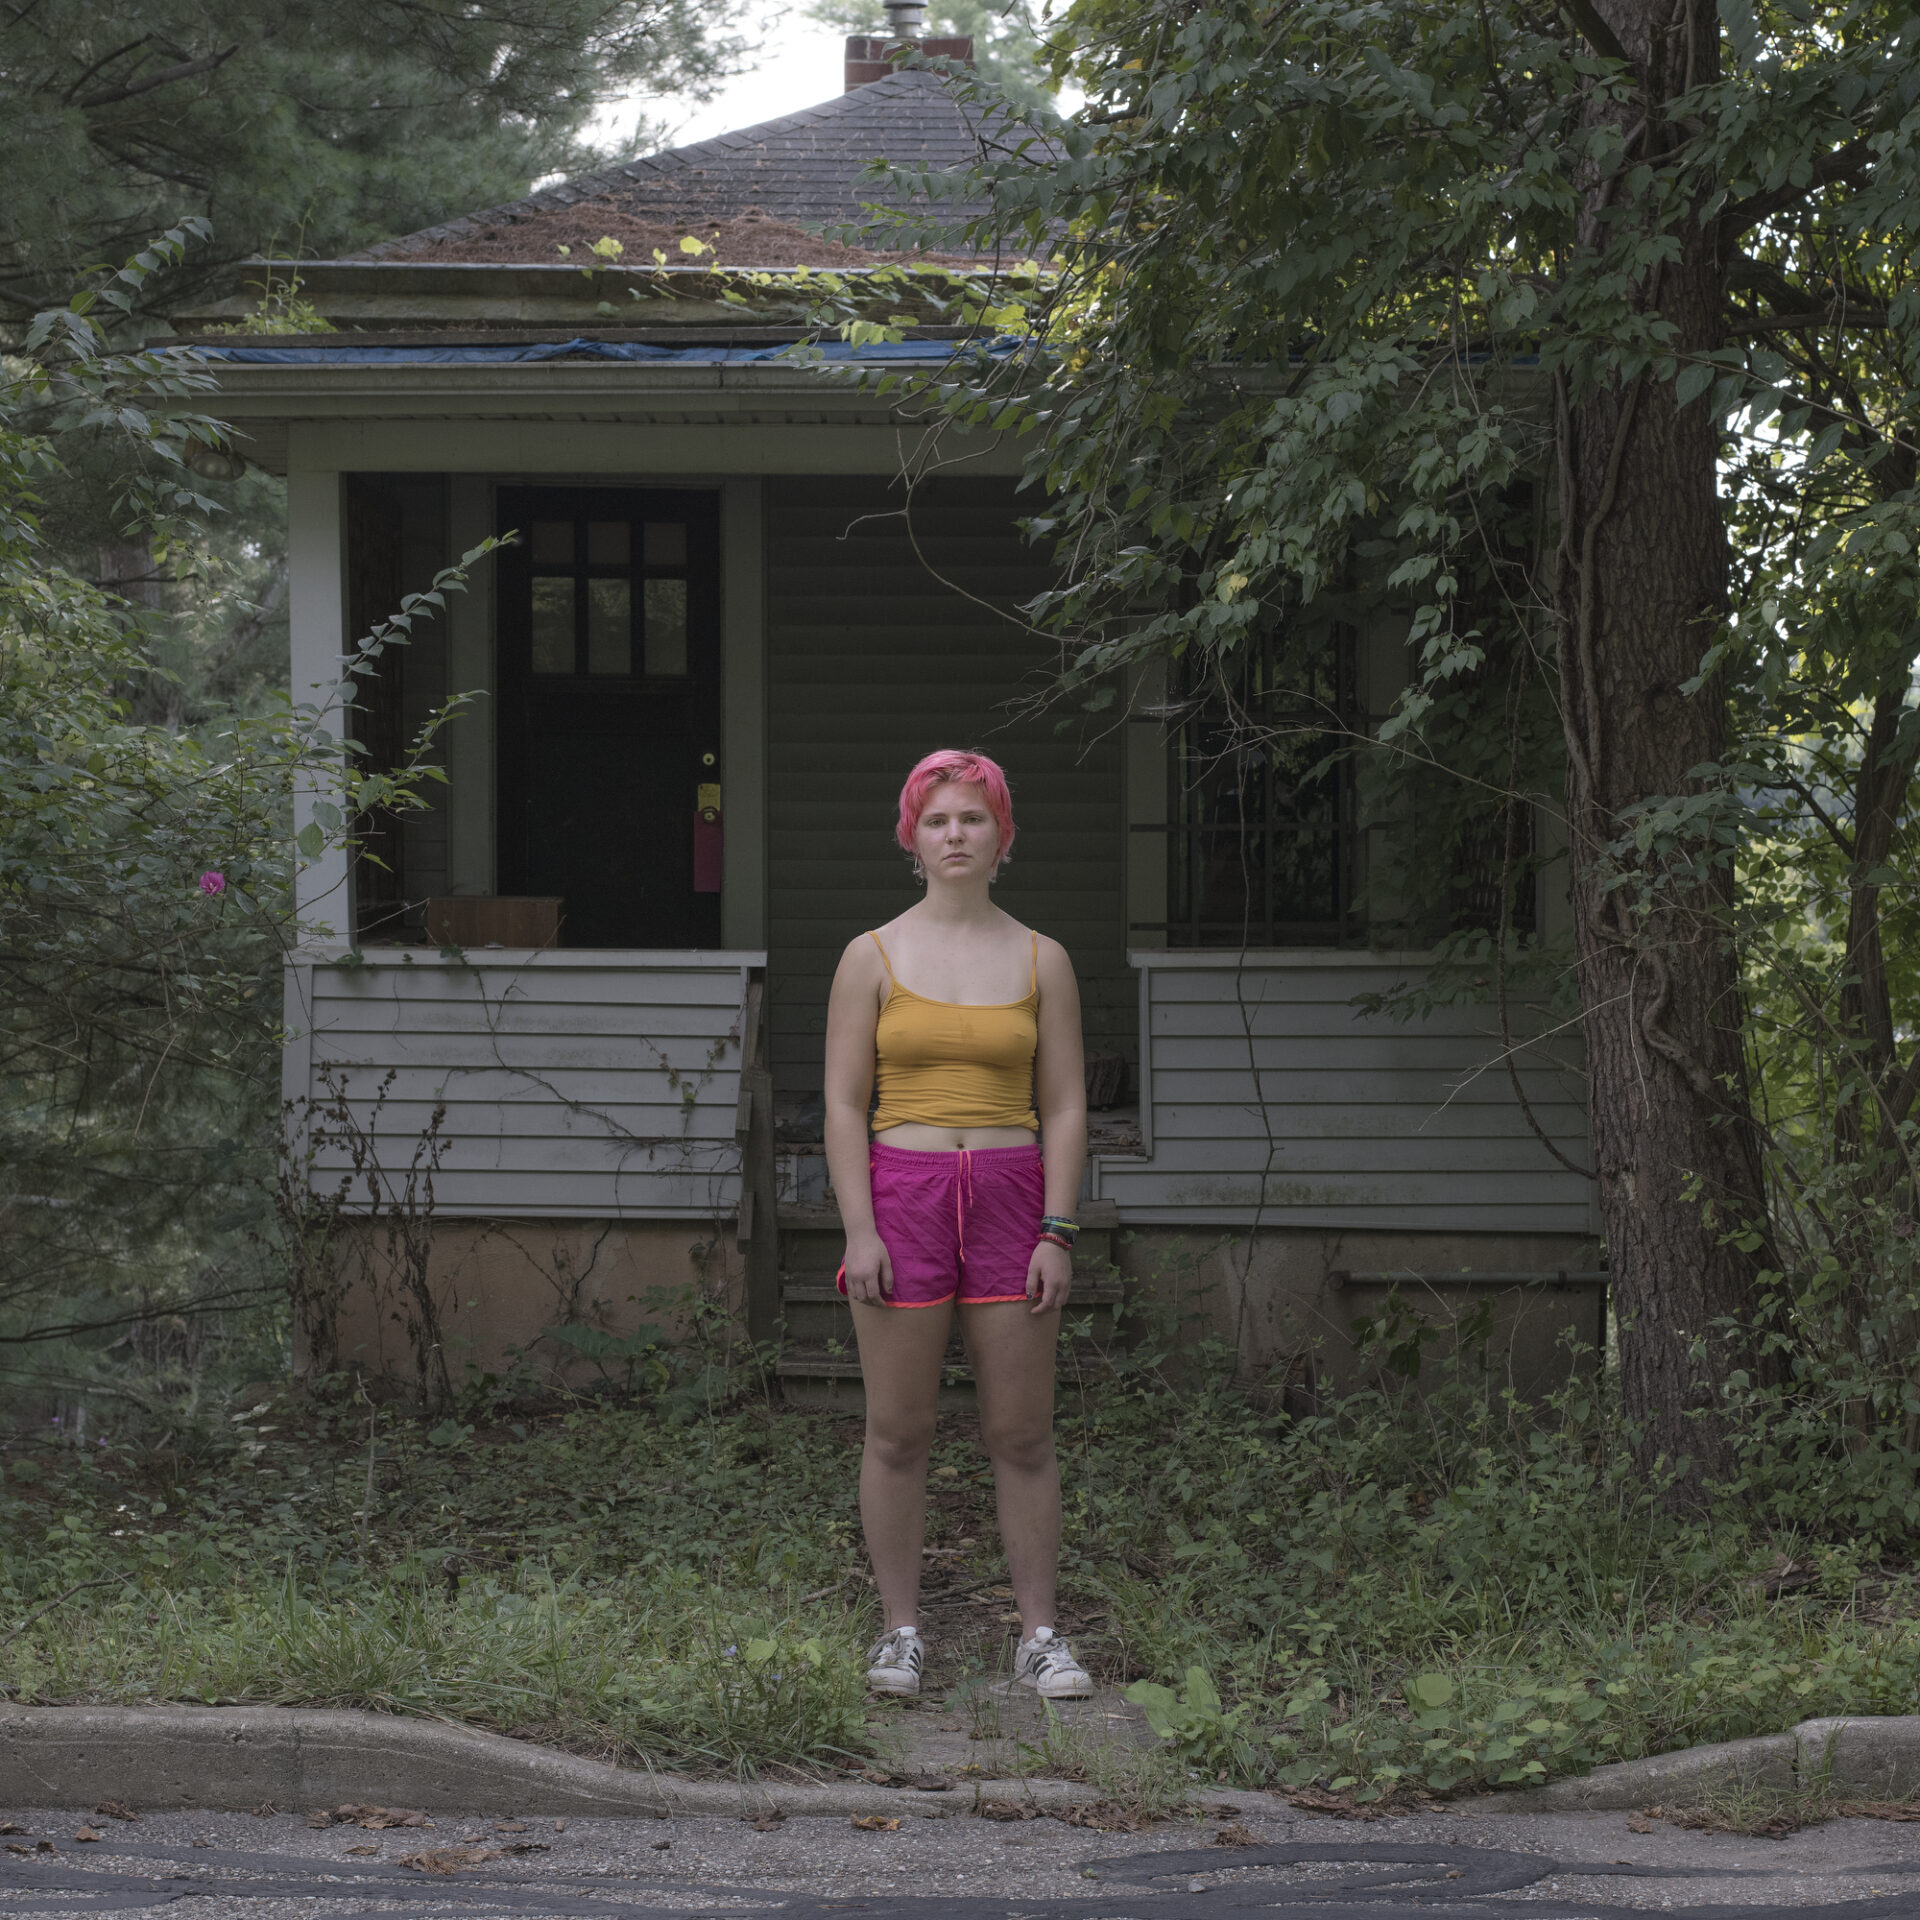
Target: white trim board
{"points": [[431, 445]]}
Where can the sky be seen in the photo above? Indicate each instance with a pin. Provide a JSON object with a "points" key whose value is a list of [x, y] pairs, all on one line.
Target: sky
{"points": [[799, 64]]}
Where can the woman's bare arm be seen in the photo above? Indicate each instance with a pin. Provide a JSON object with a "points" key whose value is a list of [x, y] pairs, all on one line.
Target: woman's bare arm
{"points": [[1060, 1096], [853, 1015]]}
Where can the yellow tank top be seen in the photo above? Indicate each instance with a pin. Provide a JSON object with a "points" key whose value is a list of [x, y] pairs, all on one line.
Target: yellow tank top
{"points": [[947, 1065]]}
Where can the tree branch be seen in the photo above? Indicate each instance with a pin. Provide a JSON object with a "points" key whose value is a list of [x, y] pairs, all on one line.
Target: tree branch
{"points": [[1846, 163], [1598, 34], [186, 70]]}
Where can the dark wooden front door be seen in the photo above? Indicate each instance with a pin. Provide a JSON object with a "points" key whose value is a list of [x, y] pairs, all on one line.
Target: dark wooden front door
{"points": [[609, 721]]}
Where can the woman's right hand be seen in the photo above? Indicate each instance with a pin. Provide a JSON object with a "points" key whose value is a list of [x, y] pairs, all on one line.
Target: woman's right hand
{"points": [[869, 1271]]}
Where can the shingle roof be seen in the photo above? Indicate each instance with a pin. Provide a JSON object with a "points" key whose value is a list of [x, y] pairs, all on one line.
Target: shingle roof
{"points": [[807, 168]]}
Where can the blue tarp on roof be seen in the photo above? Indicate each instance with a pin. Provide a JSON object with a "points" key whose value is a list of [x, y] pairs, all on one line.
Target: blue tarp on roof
{"points": [[350, 356]]}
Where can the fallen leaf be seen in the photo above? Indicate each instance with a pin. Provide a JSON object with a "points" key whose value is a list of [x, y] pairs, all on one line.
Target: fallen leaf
{"points": [[1007, 1810], [45, 1846], [1234, 1836], [116, 1810], [87, 1833], [933, 1783], [1878, 1810], [1341, 1805], [203, 1843], [363, 1849], [875, 1823], [374, 1819], [1637, 1823], [766, 1822], [511, 1826], [659, 1846], [13, 1846], [951, 1726], [876, 1779], [11, 1826], [265, 1810], [452, 1859], [1104, 1816]]}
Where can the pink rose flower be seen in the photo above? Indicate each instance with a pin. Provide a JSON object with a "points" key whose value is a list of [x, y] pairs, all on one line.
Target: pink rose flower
{"points": [[212, 883]]}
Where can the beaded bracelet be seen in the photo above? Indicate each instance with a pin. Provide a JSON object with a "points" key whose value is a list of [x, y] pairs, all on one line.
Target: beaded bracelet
{"points": [[1060, 1223], [1053, 1239]]}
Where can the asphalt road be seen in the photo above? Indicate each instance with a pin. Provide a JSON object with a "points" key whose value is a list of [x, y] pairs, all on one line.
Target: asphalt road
{"points": [[948, 1864]]}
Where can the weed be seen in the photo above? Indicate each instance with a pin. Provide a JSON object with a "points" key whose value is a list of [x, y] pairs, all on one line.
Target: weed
{"points": [[1381, 1597]]}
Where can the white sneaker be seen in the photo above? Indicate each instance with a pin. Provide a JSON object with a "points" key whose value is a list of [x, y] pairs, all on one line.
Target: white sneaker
{"points": [[1047, 1666], [894, 1661]]}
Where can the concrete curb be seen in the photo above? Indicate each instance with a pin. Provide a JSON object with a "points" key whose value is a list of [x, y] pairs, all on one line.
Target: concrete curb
{"points": [[239, 1758], [1869, 1759]]}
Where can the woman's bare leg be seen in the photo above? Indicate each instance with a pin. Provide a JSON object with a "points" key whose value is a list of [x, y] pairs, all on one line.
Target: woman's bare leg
{"points": [[1012, 1350], [900, 1354]]}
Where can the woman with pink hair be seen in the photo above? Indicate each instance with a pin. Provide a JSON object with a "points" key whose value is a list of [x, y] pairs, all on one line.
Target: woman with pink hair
{"points": [[967, 1025]]}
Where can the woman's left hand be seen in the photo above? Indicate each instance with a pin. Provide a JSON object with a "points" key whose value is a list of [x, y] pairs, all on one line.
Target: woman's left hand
{"points": [[1049, 1277]]}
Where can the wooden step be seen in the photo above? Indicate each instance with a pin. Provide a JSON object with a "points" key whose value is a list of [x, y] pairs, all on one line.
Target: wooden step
{"points": [[817, 1374]]}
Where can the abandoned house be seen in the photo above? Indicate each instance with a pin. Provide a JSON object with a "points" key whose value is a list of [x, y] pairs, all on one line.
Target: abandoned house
{"points": [[583, 993]]}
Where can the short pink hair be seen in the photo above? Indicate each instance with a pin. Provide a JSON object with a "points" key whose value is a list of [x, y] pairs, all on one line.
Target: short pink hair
{"points": [[950, 765]]}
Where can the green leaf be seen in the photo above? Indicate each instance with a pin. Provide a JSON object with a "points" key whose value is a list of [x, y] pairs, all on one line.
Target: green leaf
{"points": [[1694, 380], [1428, 1691]]}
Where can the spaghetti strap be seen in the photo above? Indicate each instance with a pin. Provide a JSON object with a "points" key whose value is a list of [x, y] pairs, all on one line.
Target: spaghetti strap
{"points": [[1035, 986], [884, 961]]}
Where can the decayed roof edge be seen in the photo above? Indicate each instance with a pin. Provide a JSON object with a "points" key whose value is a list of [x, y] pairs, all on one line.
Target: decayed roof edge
{"points": [[660, 169]]}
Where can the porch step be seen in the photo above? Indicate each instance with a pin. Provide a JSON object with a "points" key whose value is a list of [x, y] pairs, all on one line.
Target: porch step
{"points": [[818, 1363], [822, 1375]]}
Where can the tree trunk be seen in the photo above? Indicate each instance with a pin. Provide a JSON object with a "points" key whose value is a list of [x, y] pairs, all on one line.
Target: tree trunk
{"points": [[1642, 585]]}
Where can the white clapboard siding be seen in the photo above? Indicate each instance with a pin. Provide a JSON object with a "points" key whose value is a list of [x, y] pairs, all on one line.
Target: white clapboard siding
{"points": [[1267, 1096], [595, 1084]]}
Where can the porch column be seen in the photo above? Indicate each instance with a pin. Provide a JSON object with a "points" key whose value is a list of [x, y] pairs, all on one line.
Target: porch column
{"points": [[317, 622], [469, 736]]}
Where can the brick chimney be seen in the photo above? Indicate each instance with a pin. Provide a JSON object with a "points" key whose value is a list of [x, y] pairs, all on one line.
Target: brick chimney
{"points": [[871, 56]]}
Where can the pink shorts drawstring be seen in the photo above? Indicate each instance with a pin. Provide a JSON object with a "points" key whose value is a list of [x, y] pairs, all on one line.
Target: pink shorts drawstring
{"points": [[960, 1224]]}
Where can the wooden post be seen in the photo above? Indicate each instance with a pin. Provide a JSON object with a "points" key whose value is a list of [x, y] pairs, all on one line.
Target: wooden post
{"points": [[317, 622], [758, 1232]]}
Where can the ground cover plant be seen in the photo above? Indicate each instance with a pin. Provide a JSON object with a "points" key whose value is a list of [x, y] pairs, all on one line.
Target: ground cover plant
{"points": [[1392, 1594]]}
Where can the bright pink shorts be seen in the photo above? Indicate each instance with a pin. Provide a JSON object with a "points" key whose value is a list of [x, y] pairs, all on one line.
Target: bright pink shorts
{"points": [[957, 1225]]}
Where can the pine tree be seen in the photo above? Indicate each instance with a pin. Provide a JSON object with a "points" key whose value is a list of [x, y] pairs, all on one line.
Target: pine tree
{"points": [[314, 127]]}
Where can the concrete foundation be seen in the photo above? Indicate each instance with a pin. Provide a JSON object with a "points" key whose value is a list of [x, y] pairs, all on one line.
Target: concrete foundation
{"points": [[497, 1288], [1339, 1309]]}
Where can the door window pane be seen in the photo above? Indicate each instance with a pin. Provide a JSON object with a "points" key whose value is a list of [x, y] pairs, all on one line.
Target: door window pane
{"points": [[553, 543], [609, 543], [553, 625], [665, 543], [610, 625], [666, 604]]}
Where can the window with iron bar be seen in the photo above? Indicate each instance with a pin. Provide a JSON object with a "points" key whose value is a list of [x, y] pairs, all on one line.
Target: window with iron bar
{"points": [[1260, 839]]}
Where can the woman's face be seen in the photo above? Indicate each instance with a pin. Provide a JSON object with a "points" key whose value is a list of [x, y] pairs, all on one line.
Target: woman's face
{"points": [[957, 835]]}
